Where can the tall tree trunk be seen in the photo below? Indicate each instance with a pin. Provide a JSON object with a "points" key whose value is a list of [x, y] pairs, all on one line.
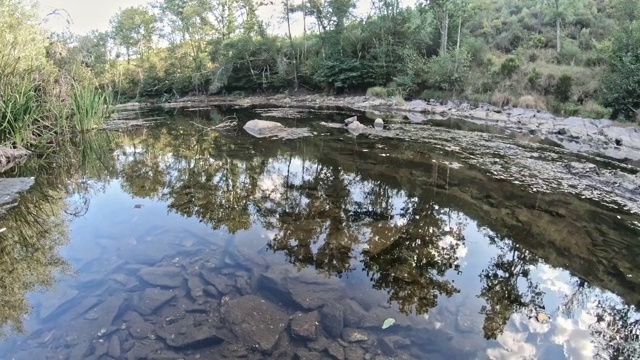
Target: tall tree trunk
{"points": [[459, 30], [293, 51], [558, 48], [444, 32], [304, 32]]}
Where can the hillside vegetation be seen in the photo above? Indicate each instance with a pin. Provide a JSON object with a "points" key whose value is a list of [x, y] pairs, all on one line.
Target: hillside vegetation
{"points": [[572, 57]]}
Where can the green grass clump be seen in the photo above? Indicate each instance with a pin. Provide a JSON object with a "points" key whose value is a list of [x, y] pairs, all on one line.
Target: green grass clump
{"points": [[378, 91], [21, 109], [90, 106]]}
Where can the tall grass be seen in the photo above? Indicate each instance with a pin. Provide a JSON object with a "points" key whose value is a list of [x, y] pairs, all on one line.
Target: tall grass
{"points": [[20, 106], [90, 106]]}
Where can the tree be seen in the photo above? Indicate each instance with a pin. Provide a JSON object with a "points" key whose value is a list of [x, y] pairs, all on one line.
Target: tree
{"points": [[622, 80], [133, 29]]}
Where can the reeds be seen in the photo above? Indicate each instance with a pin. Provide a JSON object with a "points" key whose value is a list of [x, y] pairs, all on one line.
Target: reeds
{"points": [[90, 106], [21, 110]]}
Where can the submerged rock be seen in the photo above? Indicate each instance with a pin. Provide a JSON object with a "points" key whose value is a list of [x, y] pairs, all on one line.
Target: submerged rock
{"points": [[332, 319], [114, 347], [354, 335], [256, 322], [187, 334], [264, 129], [151, 300], [162, 276], [305, 326], [336, 351], [309, 291]]}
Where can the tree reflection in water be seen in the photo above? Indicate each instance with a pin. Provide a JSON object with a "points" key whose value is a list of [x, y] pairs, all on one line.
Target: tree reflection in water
{"points": [[321, 212]]}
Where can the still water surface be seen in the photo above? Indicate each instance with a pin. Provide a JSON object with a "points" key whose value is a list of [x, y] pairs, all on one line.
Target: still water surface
{"points": [[178, 242]]}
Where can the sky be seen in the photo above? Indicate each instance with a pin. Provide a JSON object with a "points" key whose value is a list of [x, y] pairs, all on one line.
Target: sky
{"points": [[87, 15]]}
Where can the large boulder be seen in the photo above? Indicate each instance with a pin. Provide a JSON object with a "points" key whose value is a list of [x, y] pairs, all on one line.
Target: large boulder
{"points": [[264, 129], [256, 322]]}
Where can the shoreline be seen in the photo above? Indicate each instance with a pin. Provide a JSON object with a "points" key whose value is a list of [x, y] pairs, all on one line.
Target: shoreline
{"points": [[605, 137]]}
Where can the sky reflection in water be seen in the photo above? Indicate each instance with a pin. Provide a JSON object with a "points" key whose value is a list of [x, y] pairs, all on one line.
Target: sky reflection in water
{"points": [[181, 198]]}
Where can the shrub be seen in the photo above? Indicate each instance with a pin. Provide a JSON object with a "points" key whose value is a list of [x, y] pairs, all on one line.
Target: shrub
{"points": [[377, 91], [448, 72], [437, 95], [592, 109], [534, 79], [501, 99], [531, 102], [509, 66], [563, 88]]}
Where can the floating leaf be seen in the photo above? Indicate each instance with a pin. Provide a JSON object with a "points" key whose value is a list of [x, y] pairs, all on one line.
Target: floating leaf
{"points": [[388, 322]]}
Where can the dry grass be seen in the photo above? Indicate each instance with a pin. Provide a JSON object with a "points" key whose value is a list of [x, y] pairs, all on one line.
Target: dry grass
{"points": [[532, 102], [501, 99], [593, 109]]}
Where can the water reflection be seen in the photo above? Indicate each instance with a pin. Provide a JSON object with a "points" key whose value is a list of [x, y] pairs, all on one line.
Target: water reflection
{"points": [[356, 218]]}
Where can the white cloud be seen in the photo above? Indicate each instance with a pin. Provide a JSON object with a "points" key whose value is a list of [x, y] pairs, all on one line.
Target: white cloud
{"points": [[514, 347]]}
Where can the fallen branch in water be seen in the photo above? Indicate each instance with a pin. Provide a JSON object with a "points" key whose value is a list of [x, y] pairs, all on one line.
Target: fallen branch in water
{"points": [[229, 122]]}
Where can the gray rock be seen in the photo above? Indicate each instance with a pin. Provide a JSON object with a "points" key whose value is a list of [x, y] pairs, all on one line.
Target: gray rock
{"points": [[305, 326], [378, 124], [309, 291], [263, 129], [576, 168], [354, 353], [58, 302], [221, 283], [307, 355], [387, 347], [356, 128], [138, 328], [10, 188], [150, 300], [336, 351], [256, 322], [319, 345], [243, 285], [354, 335], [196, 287], [187, 334], [350, 120], [162, 276], [332, 318], [418, 105], [211, 291], [354, 315], [108, 310], [114, 347]]}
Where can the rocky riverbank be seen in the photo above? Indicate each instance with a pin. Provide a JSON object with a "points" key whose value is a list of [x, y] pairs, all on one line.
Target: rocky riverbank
{"points": [[589, 158], [592, 136]]}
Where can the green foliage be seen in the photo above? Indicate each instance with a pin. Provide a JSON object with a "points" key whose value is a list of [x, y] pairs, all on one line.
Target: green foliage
{"points": [[90, 106], [509, 66], [534, 79], [377, 91], [622, 79], [563, 88], [449, 71]]}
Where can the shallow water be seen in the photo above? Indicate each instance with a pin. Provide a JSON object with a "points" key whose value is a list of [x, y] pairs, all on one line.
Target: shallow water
{"points": [[178, 242]]}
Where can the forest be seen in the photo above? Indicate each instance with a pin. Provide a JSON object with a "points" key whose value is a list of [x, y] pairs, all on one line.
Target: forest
{"points": [[570, 57]]}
